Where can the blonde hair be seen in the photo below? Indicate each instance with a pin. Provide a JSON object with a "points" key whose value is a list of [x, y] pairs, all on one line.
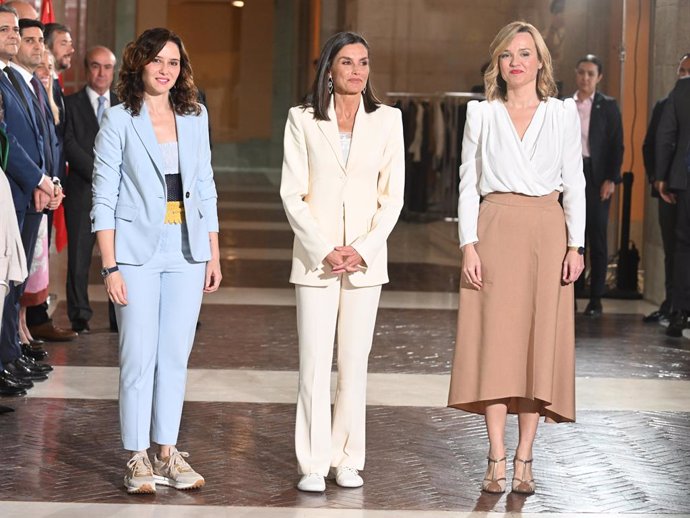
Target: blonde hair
{"points": [[495, 85]]}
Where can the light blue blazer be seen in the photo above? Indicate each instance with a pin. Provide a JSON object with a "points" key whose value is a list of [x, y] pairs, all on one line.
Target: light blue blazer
{"points": [[129, 193]]}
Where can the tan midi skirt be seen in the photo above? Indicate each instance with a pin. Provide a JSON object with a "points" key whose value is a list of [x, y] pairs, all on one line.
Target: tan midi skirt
{"points": [[516, 336]]}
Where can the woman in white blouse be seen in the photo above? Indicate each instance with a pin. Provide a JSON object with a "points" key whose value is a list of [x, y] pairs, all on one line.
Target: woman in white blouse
{"points": [[522, 251]]}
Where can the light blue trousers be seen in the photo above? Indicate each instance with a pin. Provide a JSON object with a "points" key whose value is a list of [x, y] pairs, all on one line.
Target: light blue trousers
{"points": [[157, 329]]}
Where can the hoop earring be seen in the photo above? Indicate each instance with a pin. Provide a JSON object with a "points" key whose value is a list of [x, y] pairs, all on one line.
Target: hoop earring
{"points": [[330, 85]]}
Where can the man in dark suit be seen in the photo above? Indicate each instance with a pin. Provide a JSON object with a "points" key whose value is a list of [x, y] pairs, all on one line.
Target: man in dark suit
{"points": [[84, 111], [672, 157], [58, 40], [30, 183], [602, 151], [667, 211], [24, 64]]}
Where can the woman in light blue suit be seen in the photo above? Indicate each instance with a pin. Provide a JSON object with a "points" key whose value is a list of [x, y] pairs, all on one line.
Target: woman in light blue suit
{"points": [[155, 218]]}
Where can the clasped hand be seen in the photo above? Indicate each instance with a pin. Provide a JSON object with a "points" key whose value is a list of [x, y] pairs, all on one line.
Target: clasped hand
{"points": [[344, 259]]}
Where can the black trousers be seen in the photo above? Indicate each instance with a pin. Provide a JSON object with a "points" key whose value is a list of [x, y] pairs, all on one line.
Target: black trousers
{"points": [[668, 217], [80, 242], [596, 232], [681, 266], [9, 337]]}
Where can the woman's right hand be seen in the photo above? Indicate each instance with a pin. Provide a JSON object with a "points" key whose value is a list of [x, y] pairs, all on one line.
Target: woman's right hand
{"points": [[116, 289], [471, 267], [337, 261]]}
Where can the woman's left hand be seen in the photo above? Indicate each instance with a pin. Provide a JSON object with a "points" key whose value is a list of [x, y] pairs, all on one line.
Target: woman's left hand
{"points": [[213, 275], [353, 261], [573, 265]]}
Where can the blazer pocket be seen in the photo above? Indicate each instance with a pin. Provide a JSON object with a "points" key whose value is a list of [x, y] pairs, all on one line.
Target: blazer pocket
{"points": [[126, 212]]}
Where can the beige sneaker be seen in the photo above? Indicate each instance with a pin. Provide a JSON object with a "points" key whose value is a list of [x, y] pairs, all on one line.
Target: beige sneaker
{"points": [[139, 476], [176, 472]]}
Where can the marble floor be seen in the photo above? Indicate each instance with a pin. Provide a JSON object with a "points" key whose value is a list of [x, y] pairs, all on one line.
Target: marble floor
{"points": [[628, 454]]}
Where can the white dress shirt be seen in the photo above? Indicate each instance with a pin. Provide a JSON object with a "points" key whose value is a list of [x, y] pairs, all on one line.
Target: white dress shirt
{"points": [[25, 75], [547, 159], [584, 109], [93, 99]]}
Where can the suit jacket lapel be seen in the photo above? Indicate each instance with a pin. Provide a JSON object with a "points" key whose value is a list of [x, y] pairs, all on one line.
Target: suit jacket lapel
{"points": [[595, 121], [87, 110], [144, 129], [330, 130], [10, 88], [359, 130], [186, 149]]}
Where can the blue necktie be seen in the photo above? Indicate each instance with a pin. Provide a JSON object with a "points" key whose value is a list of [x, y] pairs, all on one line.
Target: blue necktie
{"points": [[101, 108]]}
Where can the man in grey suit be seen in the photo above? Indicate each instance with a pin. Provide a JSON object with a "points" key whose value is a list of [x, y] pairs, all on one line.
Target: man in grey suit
{"points": [[83, 113], [672, 149]]}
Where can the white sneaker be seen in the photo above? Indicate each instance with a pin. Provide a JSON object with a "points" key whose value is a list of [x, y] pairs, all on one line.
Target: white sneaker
{"points": [[139, 476], [312, 482], [346, 476], [176, 472]]}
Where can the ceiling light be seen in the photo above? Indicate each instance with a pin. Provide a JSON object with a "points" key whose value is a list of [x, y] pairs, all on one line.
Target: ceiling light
{"points": [[238, 3]]}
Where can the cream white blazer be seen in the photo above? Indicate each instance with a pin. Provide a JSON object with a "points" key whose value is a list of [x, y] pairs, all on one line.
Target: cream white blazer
{"points": [[331, 203]]}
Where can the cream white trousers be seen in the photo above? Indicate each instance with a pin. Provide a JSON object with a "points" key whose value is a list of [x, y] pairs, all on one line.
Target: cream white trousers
{"points": [[320, 444]]}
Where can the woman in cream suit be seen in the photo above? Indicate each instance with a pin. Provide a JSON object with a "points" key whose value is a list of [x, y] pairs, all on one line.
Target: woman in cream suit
{"points": [[522, 251], [155, 218], [342, 189]]}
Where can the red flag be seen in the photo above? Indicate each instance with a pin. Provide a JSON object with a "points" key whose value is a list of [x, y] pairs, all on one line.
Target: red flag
{"points": [[47, 13]]}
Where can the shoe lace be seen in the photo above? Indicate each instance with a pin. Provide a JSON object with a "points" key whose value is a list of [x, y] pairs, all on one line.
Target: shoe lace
{"points": [[140, 466], [177, 464], [349, 470]]}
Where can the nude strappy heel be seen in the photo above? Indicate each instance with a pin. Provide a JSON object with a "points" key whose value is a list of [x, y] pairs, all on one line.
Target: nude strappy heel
{"points": [[521, 484], [491, 484]]}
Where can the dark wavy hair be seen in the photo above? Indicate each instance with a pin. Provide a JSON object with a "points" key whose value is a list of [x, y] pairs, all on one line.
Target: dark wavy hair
{"points": [[319, 98], [138, 54]]}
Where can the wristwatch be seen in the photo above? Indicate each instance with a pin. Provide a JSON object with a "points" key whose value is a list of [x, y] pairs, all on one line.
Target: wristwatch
{"points": [[579, 249], [105, 272]]}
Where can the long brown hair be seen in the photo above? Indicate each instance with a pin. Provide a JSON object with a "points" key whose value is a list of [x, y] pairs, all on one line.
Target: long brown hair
{"points": [[495, 85], [138, 54]]}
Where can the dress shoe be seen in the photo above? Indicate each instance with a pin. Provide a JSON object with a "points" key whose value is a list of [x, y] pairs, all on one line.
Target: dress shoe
{"points": [[346, 476], [5, 409], [654, 316], [492, 483], [523, 482], [679, 321], [593, 309], [9, 387], [21, 371], [34, 351], [32, 364], [48, 332], [80, 325], [14, 380], [313, 483]]}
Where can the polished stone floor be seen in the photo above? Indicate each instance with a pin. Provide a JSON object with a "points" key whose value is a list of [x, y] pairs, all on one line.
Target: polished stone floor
{"points": [[628, 454]]}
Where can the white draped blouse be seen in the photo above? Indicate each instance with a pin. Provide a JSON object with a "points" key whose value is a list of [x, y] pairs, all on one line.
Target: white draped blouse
{"points": [[547, 159]]}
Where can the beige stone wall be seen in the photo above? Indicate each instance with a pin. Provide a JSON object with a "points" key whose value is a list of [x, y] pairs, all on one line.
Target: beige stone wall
{"points": [[671, 39]]}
